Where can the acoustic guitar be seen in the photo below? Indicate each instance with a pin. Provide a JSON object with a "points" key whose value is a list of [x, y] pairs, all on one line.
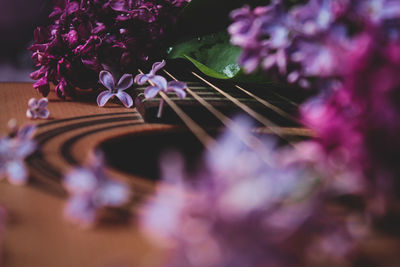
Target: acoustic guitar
{"points": [[132, 140]]}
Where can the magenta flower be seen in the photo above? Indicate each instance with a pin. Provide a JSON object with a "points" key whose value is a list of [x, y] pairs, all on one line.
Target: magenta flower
{"points": [[85, 36], [117, 90], [91, 190], [13, 151], [38, 108], [358, 123]]}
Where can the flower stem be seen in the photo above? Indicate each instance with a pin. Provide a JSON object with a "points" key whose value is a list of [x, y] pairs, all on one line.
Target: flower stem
{"points": [[160, 108]]}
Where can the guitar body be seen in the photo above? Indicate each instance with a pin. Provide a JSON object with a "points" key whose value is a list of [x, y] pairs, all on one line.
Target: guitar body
{"points": [[37, 234]]}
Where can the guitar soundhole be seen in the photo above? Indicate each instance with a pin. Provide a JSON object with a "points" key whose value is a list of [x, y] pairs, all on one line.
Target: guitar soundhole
{"points": [[139, 154]]}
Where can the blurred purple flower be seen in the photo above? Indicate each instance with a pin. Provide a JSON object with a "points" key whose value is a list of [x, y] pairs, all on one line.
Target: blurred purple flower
{"points": [[378, 11], [14, 148], [91, 190], [239, 211], [250, 29], [317, 40], [38, 108], [117, 90], [358, 122]]}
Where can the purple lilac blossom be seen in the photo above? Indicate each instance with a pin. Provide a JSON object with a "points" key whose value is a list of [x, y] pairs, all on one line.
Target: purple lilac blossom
{"points": [[358, 123], [91, 190], [85, 37], [315, 40], [14, 148], [238, 211], [141, 78], [38, 108], [117, 90], [159, 84]]}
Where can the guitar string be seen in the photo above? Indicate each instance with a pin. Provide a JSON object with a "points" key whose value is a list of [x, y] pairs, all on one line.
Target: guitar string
{"points": [[248, 139], [199, 132], [296, 131], [268, 104], [266, 122]]}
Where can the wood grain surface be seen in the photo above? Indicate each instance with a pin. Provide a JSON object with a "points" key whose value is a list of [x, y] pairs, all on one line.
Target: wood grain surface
{"points": [[36, 233]]}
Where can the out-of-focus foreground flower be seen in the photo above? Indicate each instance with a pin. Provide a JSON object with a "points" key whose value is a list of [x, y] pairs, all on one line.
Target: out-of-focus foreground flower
{"points": [[314, 40], [86, 37], [91, 190], [350, 52], [14, 148], [239, 211], [359, 123]]}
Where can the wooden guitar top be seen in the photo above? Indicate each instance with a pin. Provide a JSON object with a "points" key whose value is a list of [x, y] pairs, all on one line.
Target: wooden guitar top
{"points": [[36, 233]]}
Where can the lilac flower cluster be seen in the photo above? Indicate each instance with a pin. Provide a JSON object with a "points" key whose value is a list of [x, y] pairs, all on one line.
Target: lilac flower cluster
{"points": [[86, 37], [14, 148], [239, 211], [316, 40], [359, 122], [91, 191]]}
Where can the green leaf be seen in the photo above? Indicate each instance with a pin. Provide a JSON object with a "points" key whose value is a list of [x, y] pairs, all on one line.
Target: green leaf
{"points": [[214, 56]]}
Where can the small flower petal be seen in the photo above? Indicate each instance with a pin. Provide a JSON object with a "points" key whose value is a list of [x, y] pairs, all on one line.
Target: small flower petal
{"points": [[125, 82], [157, 66], [103, 98], [159, 81], [151, 91], [141, 78], [80, 210], [26, 132], [107, 79], [125, 98], [43, 114], [112, 194], [30, 114], [17, 173], [42, 103], [178, 88], [80, 181], [32, 103]]}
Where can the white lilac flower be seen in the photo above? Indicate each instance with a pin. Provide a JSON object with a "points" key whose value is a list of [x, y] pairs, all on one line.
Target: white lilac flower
{"points": [[91, 190], [13, 151], [114, 89], [38, 108]]}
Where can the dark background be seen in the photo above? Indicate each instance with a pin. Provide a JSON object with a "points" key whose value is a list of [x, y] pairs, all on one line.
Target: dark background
{"points": [[18, 19]]}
